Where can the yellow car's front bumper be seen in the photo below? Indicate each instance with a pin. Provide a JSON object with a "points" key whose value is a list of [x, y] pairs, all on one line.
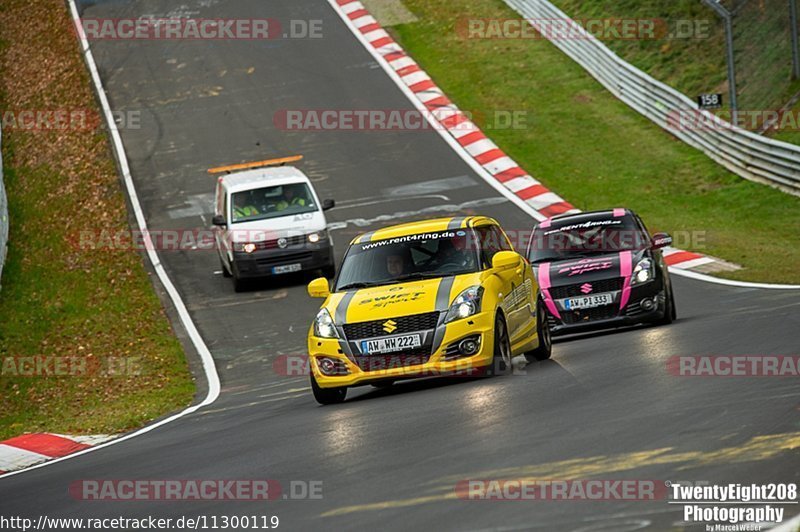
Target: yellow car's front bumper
{"points": [[481, 324]]}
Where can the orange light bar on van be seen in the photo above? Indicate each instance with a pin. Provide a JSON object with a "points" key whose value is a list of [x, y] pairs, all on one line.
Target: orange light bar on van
{"points": [[257, 164]]}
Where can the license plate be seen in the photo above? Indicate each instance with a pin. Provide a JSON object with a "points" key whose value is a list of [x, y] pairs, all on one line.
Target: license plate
{"points": [[595, 300], [390, 344], [288, 268]]}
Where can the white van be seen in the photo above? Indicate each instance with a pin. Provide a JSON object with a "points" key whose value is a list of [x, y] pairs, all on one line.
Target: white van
{"points": [[268, 220]]}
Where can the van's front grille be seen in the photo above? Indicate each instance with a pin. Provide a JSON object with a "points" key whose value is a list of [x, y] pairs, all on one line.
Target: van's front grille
{"points": [[290, 241]]}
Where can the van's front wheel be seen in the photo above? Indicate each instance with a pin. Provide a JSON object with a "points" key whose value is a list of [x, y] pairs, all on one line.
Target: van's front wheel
{"points": [[225, 272], [239, 284]]}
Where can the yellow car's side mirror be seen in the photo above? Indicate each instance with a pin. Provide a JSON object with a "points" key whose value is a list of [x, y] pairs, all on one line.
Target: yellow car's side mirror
{"points": [[319, 287], [506, 260]]}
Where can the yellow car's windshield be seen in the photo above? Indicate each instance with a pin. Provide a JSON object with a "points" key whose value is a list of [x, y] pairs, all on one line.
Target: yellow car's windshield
{"points": [[410, 257]]}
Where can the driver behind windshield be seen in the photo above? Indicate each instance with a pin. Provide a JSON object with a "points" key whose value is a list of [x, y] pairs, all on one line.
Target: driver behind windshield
{"points": [[452, 253], [244, 206], [291, 198], [396, 265]]}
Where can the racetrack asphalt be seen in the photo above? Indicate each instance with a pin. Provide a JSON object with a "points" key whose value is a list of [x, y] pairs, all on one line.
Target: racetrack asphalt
{"points": [[605, 406]]}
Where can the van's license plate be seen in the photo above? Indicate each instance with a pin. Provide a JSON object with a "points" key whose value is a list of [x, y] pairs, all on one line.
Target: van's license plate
{"points": [[390, 344], [288, 268], [596, 300]]}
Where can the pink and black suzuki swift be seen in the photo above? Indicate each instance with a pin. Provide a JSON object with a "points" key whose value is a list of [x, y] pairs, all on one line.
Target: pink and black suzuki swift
{"points": [[601, 269]]}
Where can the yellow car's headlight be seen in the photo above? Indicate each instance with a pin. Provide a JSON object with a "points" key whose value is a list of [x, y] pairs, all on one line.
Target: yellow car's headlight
{"points": [[324, 326], [466, 304]]}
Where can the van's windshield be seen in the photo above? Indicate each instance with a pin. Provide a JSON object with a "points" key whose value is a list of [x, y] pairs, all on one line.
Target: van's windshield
{"points": [[272, 202]]}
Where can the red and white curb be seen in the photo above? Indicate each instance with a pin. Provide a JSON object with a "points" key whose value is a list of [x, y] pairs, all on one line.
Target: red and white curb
{"points": [[502, 168], [31, 449]]}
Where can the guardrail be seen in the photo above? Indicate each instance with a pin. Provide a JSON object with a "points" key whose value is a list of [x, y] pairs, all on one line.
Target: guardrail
{"points": [[751, 156], [3, 213]]}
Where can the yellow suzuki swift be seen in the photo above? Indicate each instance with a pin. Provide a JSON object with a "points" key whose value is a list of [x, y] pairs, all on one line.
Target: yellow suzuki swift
{"points": [[427, 298]]}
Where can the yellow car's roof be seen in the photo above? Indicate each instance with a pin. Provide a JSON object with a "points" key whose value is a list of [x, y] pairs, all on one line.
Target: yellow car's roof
{"points": [[423, 226]]}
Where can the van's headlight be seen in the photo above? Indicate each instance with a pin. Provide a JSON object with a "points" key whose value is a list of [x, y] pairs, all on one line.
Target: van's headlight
{"points": [[466, 304], [247, 247], [316, 236], [323, 325], [643, 272]]}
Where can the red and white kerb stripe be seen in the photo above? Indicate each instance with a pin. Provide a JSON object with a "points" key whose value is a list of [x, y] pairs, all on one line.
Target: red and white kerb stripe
{"points": [[31, 449]]}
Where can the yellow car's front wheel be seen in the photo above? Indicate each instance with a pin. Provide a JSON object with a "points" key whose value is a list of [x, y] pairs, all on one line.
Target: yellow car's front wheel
{"points": [[501, 362], [327, 396]]}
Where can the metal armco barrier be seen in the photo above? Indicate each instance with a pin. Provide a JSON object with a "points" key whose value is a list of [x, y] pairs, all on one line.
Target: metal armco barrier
{"points": [[749, 155]]}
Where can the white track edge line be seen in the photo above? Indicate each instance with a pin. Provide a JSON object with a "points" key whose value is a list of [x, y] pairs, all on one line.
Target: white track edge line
{"points": [[209, 368], [730, 282], [481, 171]]}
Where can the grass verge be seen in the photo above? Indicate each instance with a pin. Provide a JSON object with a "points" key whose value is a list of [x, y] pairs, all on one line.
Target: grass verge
{"points": [[691, 55], [595, 151], [91, 316]]}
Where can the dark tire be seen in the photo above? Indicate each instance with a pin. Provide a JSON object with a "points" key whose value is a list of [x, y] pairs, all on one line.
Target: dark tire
{"points": [[545, 348], [239, 284], [327, 396], [669, 310], [225, 272], [673, 308], [501, 361]]}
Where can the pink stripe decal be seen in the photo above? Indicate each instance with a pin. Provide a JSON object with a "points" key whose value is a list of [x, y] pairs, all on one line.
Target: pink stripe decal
{"points": [[625, 268], [619, 213], [544, 284]]}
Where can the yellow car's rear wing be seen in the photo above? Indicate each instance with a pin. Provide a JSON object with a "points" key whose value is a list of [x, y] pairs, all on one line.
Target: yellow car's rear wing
{"points": [[257, 164]]}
